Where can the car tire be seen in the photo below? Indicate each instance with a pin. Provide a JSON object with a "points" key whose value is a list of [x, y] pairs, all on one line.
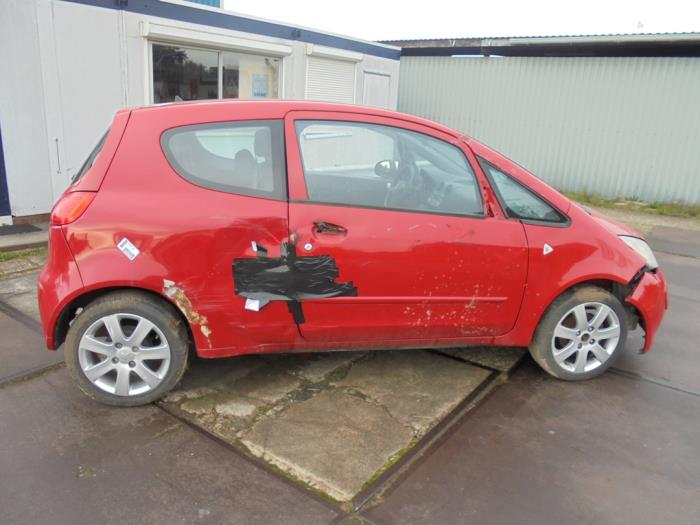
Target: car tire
{"points": [[127, 348], [581, 334]]}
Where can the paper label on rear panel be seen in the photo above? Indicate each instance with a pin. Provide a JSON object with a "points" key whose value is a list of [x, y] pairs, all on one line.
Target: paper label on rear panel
{"points": [[128, 249]]}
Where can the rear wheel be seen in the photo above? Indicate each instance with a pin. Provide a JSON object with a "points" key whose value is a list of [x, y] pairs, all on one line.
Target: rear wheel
{"points": [[127, 349], [581, 335]]}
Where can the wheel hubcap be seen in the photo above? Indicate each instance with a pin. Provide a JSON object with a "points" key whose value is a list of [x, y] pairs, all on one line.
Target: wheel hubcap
{"points": [[585, 337], [124, 354]]}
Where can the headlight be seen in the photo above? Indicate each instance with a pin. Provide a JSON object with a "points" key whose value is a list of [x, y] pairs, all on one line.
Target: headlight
{"points": [[642, 248]]}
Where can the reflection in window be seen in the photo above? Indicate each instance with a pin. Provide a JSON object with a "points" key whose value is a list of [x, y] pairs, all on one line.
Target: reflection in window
{"points": [[181, 73], [249, 76], [184, 73]]}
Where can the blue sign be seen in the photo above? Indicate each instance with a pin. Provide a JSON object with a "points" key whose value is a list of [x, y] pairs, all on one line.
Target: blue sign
{"points": [[260, 83], [212, 3]]}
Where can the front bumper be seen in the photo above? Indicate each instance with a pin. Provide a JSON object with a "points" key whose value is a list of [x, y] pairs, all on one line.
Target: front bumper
{"points": [[650, 298]]}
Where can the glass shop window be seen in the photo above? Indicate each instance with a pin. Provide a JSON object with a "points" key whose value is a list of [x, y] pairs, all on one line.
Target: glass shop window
{"points": [[185, 73]]}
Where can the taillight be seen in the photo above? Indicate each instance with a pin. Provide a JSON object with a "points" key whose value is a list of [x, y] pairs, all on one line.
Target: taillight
{"points": [[71, 206]]}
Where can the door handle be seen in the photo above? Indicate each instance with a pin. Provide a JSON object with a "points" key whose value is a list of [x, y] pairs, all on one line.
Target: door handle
{"points": [[328, 228]]}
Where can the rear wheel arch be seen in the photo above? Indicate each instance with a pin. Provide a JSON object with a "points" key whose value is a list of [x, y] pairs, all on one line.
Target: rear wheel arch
{"points": [[75, 306]]}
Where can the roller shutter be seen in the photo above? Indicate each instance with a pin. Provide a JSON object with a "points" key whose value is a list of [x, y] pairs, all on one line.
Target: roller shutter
{"points": [[330, 80]]}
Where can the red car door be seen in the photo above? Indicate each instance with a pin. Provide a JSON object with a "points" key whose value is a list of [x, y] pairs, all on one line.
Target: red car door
{"points": [[397, 211]]}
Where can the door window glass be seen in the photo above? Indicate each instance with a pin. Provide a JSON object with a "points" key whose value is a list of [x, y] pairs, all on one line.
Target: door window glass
{"points": [[246, 158], [517, 200], [380, 166]]}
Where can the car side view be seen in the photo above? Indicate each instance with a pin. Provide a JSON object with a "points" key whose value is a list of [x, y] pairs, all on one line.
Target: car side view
{"points": [[226, 228]]}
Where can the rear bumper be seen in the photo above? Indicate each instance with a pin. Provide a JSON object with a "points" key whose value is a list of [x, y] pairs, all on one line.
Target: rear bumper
{"points": [[58, 281], [650, 297]]}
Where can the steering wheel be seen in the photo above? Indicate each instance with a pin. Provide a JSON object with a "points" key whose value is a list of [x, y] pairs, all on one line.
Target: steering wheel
{"points": [[404, 189]]}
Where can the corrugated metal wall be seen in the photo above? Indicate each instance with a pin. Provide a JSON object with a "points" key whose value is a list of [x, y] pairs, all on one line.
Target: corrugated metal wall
{"points": [[618, 127]]}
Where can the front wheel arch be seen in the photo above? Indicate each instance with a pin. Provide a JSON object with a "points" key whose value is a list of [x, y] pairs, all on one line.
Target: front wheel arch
{"points": [[542, 345], [618, 289]]}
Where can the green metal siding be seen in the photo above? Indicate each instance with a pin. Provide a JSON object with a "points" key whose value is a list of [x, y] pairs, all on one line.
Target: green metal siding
{"points": [[617, 127]]}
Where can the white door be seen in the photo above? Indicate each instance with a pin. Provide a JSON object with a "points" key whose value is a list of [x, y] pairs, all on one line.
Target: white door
{"points": [[376, 89]]}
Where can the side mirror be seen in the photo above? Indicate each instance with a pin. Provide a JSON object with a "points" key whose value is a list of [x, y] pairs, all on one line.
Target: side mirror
{"points": [[386, 169]]}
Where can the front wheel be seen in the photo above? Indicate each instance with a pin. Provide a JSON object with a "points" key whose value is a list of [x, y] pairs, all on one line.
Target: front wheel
{"points": [[581, 335], [127, 349]]}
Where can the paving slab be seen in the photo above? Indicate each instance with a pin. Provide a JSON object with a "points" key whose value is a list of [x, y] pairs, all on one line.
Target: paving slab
{"points": [[25, 283], [67, 459], [22, 265], [418, 388], [333, 441], [612, 450], [503, 359], [22, 350], [331, 420], [24, 302]]}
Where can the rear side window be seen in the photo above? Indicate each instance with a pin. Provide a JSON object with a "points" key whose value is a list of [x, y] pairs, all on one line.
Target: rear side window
{"points": [[517, 200], [245, 158], [91, 158]]}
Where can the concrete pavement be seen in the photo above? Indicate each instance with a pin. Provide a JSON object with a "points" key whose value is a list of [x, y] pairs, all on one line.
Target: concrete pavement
{"points": [[613, 450], [622, 448], [619, 449], [66, 459]]}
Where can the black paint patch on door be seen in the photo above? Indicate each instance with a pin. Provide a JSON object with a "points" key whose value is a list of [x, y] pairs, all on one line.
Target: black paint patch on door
{"points": [[289, 278]]}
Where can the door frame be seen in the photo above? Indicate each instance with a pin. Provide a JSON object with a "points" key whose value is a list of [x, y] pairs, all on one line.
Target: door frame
{"points": [[298, 196], [296, 182]]}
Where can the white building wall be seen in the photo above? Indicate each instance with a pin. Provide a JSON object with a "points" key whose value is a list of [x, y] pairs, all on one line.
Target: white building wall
{"points": [[88, 85], [80, 63], [22, 110]]}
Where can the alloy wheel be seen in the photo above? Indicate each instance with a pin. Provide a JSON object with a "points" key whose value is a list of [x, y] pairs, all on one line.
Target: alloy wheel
{"points": [[124, 354], [585, 337]]}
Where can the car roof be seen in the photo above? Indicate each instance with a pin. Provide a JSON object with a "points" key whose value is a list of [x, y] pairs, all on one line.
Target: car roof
{"points": [[279, 108]]}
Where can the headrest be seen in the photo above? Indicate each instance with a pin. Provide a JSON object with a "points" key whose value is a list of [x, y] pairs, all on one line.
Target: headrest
{"points": [[245, 161], [263, 143]]}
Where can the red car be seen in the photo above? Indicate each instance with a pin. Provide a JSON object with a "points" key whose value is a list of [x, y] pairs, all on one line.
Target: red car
{"points": [[230, 228]]}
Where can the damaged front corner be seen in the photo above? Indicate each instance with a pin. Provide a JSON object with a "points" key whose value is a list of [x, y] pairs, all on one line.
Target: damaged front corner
{"points": [[178, 296]]}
